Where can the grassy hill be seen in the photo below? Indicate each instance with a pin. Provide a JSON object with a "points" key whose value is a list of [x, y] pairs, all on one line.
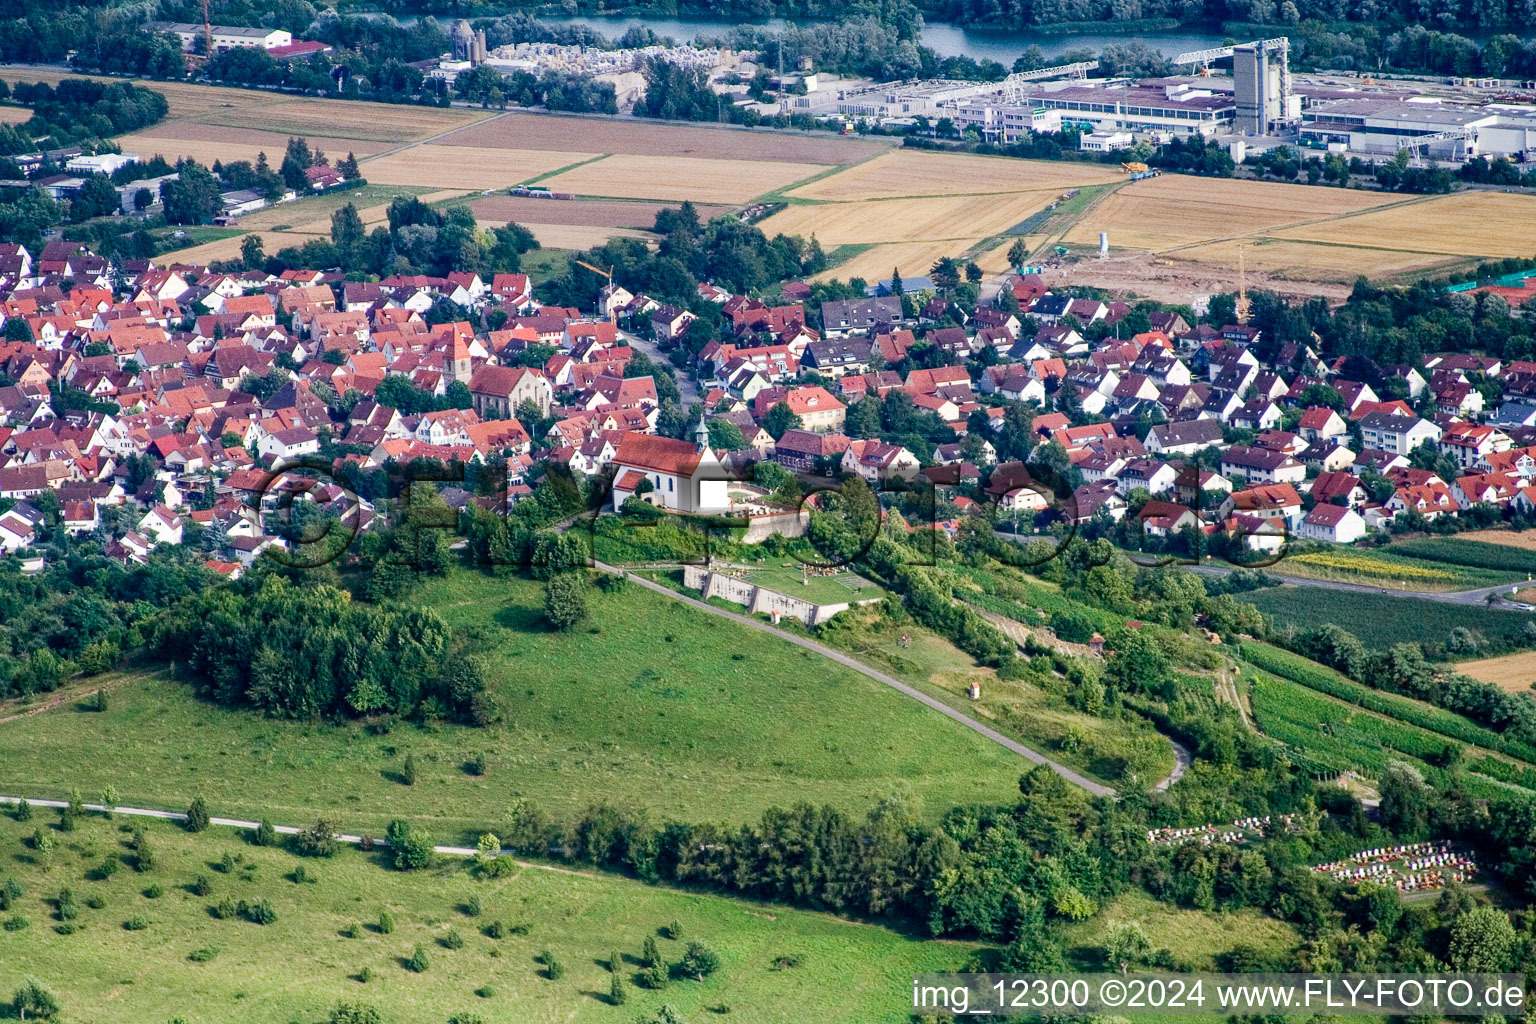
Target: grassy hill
{"points": [[299, 966], [655, 704]]}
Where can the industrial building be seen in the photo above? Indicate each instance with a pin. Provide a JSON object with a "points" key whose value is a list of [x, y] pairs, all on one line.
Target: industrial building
{"points": [[1165, 106], [224, 37], [1380, 125]]}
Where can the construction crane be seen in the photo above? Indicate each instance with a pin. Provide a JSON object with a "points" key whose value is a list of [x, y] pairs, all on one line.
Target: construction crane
{"points": [[1199, 62], [601, 273], [1242, 309], [1418, 143], [1012, 87]]}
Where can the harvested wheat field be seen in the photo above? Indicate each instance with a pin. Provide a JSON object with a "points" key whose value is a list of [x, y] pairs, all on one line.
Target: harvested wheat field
{"points": [[588, 212], [542, 131], [675, 178], [461, 167], [573, 236], [1513, 672], [229, 248], [1525, 540], [1307, 261], [206, 144], [1496, 224], [344, 119], [184, 98], [911, 172], [912, 258], [15, 115], [1175, 210], [907, 220]]}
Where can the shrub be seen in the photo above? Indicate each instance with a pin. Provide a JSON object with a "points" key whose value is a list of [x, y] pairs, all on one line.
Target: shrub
{"points": [[419, 961], [453, 940], [64, 906], [260, 912], [365, 975], [617, 993], [154, 892], [23, 811], [553, 968], [655, 977], [227, 863], [33, 999], [197, 815], [108, 868], [650, 955], [225, 909], [137, 923], [15, 923], [408, 770], [495, 930], [200, 886], [95, 901], [319, 840], [471, 907], [386, 922], [202, 956], [353, 931], [700, 961], [466, 1018], [673, 931], [265, 835], [68, 928], [302, 875], [143, 855], [355, 1013], [486, 991]]}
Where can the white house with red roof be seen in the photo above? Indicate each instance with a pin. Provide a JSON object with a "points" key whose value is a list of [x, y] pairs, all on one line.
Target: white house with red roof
{"points": [[679, 476]]}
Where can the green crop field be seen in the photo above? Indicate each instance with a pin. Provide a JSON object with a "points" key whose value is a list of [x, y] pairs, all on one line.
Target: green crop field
{"points": [[302, 964], [1389, 568], [1405, 709], [1380, 620], [652, 704], [1461, 551], [1333, 733]]}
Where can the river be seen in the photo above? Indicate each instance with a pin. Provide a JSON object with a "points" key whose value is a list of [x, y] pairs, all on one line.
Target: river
{"points": [[945, 39]]}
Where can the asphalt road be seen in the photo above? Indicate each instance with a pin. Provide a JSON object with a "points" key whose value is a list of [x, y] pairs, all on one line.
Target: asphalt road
{"points": [[1077, 779]]}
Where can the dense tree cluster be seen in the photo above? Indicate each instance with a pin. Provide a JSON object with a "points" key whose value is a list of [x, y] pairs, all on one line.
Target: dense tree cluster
{"points": [[304, 652], [79, 110]]}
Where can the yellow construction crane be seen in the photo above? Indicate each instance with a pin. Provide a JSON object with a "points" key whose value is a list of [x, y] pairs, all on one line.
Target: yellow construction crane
{"points": [[1243, 308], [602, 273]]}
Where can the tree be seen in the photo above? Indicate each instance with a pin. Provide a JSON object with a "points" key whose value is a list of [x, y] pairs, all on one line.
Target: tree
{"points": [[412, 846], [1405, 799], [193, 198], [779, 419], [296, 160], [565, 600], [197, 815], [1018, 253], [34, 999], [419, 961], [700, 961], [408, 770], [1125, 945], [347, 233], [347, 167], [726, 436], [265, 835], [650, 953], [618, 994], [319, 840], [1483, 941]]}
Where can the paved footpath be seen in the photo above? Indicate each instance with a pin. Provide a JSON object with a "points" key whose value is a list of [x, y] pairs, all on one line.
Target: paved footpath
{"points": [[1077, 779], [286, 830]]}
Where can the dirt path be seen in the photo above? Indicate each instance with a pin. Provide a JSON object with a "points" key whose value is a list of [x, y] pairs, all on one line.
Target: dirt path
{"points": [[59, 698]]}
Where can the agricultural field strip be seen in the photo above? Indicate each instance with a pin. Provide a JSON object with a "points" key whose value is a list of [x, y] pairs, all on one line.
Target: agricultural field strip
{"points": [[1270, 666]]}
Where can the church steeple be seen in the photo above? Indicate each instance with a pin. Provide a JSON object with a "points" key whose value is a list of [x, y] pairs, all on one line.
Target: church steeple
{"points": [[701, 432]]}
